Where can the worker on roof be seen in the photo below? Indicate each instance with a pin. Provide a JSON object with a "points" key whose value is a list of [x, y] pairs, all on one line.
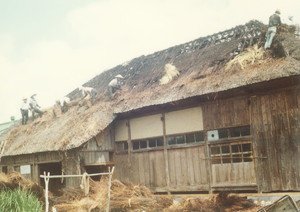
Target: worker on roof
{"points": [[63, 103], [88, 91], [34, 107], [24, 111], [292, 22], [115, 84], [274, 22]]}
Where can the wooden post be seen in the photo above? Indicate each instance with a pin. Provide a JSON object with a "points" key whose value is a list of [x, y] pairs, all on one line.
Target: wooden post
{"points": [[109, 185], [163, 119], [129, 141], [208, 162], [46, 179]]}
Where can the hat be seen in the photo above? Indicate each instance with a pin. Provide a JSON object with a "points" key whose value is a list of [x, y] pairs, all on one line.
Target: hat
{"points": [[33, 95], [277, 11], [119, 76]]}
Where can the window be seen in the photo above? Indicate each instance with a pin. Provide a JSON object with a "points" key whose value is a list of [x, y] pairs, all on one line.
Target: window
{"points": [[188, 138], [223, 133], [149, 143], [121, 146], [25, 170], [227, 133], [231, 153], [155, 142], [140, 144]]}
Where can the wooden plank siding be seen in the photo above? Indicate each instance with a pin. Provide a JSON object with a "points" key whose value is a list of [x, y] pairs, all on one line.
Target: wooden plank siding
{"points": [[235, 174], [70, 166], [32, 158], [13, 163], [223, 114], [187, 167], [122, 167], [226, 113], [275, 121], [145, 168]]}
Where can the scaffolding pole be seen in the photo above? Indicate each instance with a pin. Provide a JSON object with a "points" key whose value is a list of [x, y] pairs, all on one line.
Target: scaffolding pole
{"points": [[48, 176]]}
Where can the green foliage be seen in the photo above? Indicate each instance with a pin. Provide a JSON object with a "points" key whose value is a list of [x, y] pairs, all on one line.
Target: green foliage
{"points": [[18, 200]]}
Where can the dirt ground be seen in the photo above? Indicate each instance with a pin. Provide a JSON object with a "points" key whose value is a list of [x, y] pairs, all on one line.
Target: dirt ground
{"points": [[138, 198], [127, 197]]}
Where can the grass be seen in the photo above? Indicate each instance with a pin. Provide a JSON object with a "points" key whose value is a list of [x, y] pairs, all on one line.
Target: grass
{"points": [[19, 200]]}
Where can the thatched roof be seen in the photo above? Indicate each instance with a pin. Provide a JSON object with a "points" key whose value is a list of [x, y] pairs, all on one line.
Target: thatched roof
{"points": [[212, 64]]}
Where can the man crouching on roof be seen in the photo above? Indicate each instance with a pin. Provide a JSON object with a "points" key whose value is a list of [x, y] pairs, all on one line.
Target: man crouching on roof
{"points": [[63, 103], [115, 84], [88, 91]]}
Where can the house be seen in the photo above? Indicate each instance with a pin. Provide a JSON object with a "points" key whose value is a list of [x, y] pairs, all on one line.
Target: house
{"points": [[229, 121], [6, 125]]}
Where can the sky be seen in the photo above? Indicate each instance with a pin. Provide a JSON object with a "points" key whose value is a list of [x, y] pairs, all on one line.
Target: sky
{"points": [[50, 48]]}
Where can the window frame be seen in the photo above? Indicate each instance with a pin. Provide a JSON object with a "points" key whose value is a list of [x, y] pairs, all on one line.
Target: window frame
{"points": [[230, 137], [186, 142], [240, 153], [159, 139], [124, 146]]}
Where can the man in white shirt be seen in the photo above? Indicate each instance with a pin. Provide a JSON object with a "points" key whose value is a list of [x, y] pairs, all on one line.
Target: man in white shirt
{"points": [[292, 22], [88, 91], [24, 111], [63, 103], [34, 106], [115, 84]]}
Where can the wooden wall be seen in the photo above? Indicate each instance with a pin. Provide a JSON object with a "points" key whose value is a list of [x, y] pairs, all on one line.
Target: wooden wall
{"points": [[233, 175], [186, 166], [188, 169], [70, 162], [96, 150], [275, 121], [71, 165], [164, 168], [226, 113], [146, 168], [223, 114], [33, 159]]}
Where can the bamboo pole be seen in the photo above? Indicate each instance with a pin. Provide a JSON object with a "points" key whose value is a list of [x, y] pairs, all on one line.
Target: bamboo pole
{"points": [[46, 179], [75, 175], [108, 191]]}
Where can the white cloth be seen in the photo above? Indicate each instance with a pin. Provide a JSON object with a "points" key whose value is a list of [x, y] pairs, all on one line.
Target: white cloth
{"points": [[33, 103], [64, 100], [85, 183], [114, 83], [25, 106], [86, 90]]}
